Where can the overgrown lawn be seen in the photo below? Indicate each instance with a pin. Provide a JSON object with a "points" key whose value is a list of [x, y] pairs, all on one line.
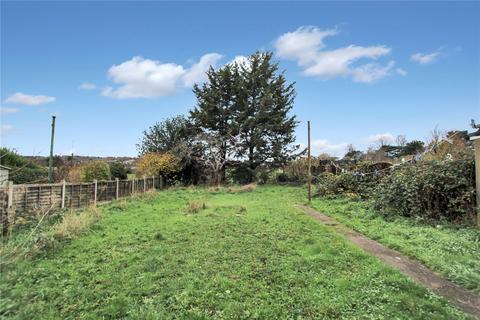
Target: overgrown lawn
{"points": [[454, 251], [238, 255]]}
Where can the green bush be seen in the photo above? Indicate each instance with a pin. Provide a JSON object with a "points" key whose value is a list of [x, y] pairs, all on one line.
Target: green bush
{"points": [[28, 175], [95, 170], [359, 184], [282, 177], [429, 189], [22, 169], [118, 170], [240, 175]]}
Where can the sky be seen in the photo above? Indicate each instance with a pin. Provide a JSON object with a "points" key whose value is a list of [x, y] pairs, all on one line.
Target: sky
{"points": [[108, 70]]}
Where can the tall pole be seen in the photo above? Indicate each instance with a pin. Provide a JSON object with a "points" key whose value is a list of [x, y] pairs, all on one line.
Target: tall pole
{"points": [[50, 161], [309, 168]]}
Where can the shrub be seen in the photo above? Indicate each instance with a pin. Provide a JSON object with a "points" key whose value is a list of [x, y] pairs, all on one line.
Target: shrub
{"points": [[358, 184], [74, 174], [239, 174], [154, 163], [22, 169], [282, 177], [95, 170], [429, 189], [118, 170], [28, 175]]}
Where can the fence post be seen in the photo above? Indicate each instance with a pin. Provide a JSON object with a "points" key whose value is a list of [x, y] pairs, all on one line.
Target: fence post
{"points": [[153, 182], [95, 196], [63, 194], [10, 194], [116, 190], [10, 210], [144, 184], [26, 197]]}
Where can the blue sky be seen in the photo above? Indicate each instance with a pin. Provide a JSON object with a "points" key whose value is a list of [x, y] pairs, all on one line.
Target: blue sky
{"points": [[109, 70]]}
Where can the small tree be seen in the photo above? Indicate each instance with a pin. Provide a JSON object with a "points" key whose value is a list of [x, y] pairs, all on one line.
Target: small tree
{"points": [[118, 170], [95, 170], [413, 147], [164, 136], [155, 163]]}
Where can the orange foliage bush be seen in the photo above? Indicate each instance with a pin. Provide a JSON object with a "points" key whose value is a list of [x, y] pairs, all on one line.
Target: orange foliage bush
{"points": [[154, 163]]}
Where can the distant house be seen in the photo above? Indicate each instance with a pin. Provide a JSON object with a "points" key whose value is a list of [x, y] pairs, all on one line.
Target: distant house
{"points": [[3, 175]]}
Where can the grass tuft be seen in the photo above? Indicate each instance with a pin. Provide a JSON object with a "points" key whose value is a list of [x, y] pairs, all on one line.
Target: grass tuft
{"points": [[74, 224], [158, 236], [195, 206], [245, 188]]}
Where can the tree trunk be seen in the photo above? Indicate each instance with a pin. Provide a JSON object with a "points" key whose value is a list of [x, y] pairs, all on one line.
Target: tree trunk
{"points": [[251, 165]]}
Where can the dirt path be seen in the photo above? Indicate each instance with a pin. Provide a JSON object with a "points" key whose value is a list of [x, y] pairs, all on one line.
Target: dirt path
{"points": [[460, 297]]}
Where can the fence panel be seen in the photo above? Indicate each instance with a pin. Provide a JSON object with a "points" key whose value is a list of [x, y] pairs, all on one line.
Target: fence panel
{"points": [[29, 200]]}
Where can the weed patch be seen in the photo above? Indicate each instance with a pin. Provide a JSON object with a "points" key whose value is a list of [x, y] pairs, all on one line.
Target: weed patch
{"points": [[195, 206], [74, 224], [245, 188]]}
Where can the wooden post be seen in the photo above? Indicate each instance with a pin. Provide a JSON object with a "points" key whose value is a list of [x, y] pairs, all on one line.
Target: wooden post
{"points": [[153, 182], [476, 141], [309, 168], [95, 191], [133, 186], [117, 187], [63, 193], [10, 210], [10, 194], [144, 184], [26, 197]]}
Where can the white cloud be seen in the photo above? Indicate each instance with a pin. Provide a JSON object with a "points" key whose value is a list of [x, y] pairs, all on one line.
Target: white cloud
{"points": [[371, 72], [197, 72], [6, 128], [26, 99], [303, 44], [425, 58], [145, 78], [306, 46], [402, 72], [239, 60], [87, 86], [4, 110], [381, 137], [323, 146]]}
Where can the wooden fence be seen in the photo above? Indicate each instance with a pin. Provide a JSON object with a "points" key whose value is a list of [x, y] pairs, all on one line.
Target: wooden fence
{"points": [[24, 200]]}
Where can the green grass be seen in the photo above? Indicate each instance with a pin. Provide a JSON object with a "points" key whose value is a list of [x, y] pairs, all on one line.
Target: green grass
{"points": [[248, 255], [452, 251]]}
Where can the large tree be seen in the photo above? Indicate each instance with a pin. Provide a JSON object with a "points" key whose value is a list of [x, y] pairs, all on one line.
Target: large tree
{"points": [[214, 113], [249, 104], [263, 104]]}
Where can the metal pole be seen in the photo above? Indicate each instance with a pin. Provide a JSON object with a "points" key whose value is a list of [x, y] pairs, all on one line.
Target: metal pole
{"points": [[50, 160], [309, 167]]}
